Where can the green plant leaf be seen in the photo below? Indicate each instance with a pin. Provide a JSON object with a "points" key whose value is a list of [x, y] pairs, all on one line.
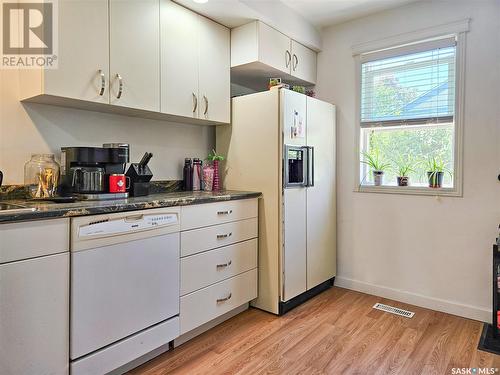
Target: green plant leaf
{"points": [[374, 160], [213, 156]]}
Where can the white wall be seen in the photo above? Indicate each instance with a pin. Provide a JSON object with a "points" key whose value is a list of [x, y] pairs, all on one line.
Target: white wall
{"points": [[38, 128], [419, 249]]}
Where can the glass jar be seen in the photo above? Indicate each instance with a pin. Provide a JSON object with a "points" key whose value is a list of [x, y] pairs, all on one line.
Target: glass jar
{"points": [[41, 176]]}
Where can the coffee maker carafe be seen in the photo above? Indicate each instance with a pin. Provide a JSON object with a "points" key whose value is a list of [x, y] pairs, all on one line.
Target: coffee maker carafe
{"points": [[88, 179]]}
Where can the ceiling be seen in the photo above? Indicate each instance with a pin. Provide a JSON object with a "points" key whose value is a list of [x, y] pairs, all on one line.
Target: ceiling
{"points": [[231, 13], [301, 20], [323, 13], [319, 13]]}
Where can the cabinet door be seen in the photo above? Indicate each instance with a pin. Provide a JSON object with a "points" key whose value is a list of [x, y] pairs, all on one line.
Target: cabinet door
{"points": [[135, 53], [214, 61], [34, 311], [274, 48], [179, 60], [303, 63], [321, 206], [83, 63]]}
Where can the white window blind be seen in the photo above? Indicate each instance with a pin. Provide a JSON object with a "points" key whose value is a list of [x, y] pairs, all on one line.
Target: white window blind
{"points": [[413, 84]]}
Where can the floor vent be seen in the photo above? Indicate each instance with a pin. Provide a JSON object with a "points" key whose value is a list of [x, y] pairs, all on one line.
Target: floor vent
{"points": [[393, 310]]}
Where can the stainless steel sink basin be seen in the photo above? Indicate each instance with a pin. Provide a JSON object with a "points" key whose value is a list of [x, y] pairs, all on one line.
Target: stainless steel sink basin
{"points": [[13, 208]]}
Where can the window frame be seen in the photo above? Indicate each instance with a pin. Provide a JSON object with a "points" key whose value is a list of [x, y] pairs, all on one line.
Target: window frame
{"points": [[457, 30]]}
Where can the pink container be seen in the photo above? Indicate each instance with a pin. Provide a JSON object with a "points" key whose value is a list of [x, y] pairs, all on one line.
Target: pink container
{"points": [[208, 177], [216, 185]]}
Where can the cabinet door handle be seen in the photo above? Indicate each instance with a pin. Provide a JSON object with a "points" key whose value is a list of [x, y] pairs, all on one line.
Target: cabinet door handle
{"points": [[288, 58], [195, 102], [228, 212], [226, 235], [295, 62], [120, 86], [206, 104], [219, 300], [224, 265], [103, 83]]}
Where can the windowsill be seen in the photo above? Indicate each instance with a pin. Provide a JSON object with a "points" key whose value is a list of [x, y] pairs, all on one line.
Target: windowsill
{"points": [[409, 190]]}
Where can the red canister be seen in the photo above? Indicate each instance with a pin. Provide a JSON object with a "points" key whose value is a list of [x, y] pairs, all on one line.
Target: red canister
{"points": [[118, 183]]}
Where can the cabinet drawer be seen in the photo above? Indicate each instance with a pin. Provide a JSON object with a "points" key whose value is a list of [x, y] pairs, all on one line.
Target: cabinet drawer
{"points": [[32, 239], [198, 240], [206, 304], [217, 213], [201, 270]]}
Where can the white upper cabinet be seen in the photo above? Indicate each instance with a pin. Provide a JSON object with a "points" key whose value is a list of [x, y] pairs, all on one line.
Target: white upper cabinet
{"points": [[135, 54], [259, 52], [83, 63], [274, 48], [303, 62], [195, 72], [179, 60], [145, 58], [214, 78]]}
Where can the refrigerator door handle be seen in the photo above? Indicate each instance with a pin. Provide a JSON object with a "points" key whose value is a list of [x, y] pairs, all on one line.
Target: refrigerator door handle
{"points": [[306, 175], [310, 166]]}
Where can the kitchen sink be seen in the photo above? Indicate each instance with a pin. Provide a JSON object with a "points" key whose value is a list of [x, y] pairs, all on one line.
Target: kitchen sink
{"points": [[12, 208]]}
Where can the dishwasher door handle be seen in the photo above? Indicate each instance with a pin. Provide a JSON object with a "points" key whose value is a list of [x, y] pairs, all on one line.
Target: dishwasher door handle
{"points": [[133, 218]]}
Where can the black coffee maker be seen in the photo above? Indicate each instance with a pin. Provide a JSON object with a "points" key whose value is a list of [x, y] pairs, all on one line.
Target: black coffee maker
{"points": [[85, 171]]}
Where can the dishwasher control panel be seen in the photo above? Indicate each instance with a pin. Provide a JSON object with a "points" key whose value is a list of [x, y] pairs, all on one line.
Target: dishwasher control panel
{"points": [[128, 224]]}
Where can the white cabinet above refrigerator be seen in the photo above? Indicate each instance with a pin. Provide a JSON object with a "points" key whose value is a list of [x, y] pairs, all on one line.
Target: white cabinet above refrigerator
{"points": [[259, 52]]}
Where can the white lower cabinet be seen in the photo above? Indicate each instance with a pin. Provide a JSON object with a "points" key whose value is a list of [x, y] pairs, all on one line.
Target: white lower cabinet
{"points": [[206, 304], [219, 260], [210, 267], [198, 240], [34, 316], [215, 279]]}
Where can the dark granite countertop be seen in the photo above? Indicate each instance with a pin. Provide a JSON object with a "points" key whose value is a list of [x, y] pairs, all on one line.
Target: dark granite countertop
{"points": [[50, 210]]}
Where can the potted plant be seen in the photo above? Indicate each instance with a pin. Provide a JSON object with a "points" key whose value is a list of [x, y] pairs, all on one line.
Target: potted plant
{"points": [[215, 159], [435, 171], [403, 167], [376, 164]]}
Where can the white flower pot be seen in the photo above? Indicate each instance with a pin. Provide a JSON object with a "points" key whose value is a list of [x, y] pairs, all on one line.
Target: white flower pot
{"points": [[378, 178]]}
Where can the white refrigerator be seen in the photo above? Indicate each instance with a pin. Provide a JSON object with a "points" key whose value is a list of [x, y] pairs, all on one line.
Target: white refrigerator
{"points": [[282, 143]]}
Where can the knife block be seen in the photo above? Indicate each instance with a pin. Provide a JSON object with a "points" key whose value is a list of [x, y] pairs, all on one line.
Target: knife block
{"points": [[139, 179]]}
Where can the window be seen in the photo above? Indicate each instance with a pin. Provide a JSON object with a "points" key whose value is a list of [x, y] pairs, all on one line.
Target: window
{"points": [[408, 118]]}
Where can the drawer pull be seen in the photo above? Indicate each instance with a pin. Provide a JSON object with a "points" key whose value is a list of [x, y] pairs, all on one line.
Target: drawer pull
{"points": [[229, 212], [221, 236], [224, 265], [225, 299]]}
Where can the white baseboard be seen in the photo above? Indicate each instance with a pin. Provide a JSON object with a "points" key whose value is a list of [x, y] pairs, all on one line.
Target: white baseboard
{"points": [[450, 307]]}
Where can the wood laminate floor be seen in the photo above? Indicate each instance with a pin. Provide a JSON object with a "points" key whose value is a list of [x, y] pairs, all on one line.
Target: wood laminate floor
{"points": [[337, 332]]}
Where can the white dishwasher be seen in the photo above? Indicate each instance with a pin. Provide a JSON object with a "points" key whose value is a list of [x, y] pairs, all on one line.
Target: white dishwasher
{"points": [[124, 287]]}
